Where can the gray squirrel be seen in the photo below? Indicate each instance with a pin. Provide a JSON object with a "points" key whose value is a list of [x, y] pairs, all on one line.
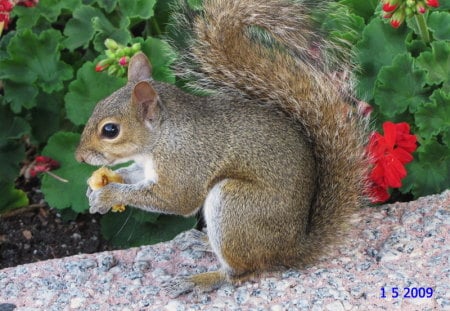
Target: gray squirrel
{"points": [[275, 157]]}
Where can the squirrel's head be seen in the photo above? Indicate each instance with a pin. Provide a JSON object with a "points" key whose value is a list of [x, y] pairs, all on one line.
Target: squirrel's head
{"points": [[125, 122]]}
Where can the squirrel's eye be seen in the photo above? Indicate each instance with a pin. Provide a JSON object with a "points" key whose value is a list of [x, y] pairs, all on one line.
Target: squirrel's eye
{"points": [[110, 130]]}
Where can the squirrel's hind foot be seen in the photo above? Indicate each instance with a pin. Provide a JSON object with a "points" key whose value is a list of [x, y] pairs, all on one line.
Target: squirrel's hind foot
{"points": [[198, 283]]}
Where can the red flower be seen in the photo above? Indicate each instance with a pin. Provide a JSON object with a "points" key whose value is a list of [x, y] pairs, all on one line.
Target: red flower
{"points": [[41, 164], [396, 23], [6, 6], [4, 17], [389, 153], [5, 9], [28, 3], [389, 7], [378, 194], [432, 3], [123, 61], [99, 68], [421, 9]]}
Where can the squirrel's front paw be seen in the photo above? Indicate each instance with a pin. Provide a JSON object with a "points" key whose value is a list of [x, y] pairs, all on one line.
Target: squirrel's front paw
{"points": [[102, 200]]}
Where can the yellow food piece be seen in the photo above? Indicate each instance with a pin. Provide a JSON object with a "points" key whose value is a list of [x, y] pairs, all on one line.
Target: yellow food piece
{"points": [[101, 178]]}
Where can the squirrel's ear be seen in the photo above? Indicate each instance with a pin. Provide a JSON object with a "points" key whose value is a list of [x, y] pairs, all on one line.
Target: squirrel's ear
{"points": [[145, 99], [139, 68]]}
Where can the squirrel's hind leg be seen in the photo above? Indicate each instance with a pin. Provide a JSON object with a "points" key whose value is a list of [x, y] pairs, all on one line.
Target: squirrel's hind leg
{"points": [[234, 210], [202, 282]]}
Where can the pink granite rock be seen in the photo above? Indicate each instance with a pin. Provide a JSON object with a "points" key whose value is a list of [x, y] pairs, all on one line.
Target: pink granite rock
{"points": [[392, 250]]}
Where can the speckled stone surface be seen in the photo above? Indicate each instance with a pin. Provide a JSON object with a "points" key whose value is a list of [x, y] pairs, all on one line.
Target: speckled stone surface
{"points": [[403, 245]]}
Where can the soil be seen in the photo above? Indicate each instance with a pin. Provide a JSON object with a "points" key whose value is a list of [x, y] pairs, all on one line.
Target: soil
{"points": [[37, 232]]}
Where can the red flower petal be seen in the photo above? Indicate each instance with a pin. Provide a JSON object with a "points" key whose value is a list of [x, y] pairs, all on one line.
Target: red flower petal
{"points": [[123, 61], [6, 6], [99, 68], [402, 155], [394, 171], [377, 176], [433, 3], [390, 133], [378, 194], [395, 23], [387, 7], [377, 146]]}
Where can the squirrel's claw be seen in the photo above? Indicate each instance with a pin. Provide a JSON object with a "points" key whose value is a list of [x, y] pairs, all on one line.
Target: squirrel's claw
{"points": [[99, 201], [88, 191], [178, 286], [199, 283]]}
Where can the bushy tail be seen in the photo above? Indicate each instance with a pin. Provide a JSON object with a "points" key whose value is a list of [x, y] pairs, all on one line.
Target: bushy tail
{"points": [[269, 50]]}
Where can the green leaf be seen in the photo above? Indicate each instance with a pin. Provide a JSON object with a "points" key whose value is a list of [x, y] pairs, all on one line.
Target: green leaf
{"points": [[79, 29], [142, 216], [12, 151], [61, 147], [400, 87], [46, 117], [20, 95], [444, 5], [42, 67], [138, 8], [439, 23], [128, 228], [436, 62], [4, 42], [89, 88], [362, 8], [105, 29], [342, 25], [11, 198], [161, 57], [11, 127], [379, 45], [107, 5], [49, 10], [429, 172], [433, 117], [195, 4], [11, 154]]}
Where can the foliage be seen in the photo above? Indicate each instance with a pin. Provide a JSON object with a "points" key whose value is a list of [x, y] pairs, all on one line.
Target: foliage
{"points": [[49, 86], [404, 73]]}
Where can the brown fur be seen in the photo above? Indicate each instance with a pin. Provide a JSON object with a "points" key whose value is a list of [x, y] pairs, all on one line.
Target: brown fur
{"points": [[276, 157]]}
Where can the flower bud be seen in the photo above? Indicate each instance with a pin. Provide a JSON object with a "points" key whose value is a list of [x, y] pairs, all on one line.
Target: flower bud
{"points": [[123, 61], [120, 72], [111, 44], [136, 48], [409, 11], [420, 7], [99, 68], [110, 54], [120, 53], [389, 6], [112, 70], [105, 62], [397, 19]]}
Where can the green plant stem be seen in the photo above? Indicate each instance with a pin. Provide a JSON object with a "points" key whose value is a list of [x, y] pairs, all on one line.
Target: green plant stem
{"points": [[423, 28]]}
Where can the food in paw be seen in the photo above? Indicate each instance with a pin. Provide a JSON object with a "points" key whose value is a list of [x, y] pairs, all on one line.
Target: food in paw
{"points": [[101, 178]]}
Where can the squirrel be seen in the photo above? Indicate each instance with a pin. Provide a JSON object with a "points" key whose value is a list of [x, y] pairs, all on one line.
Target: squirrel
{"points": [[275, 156]]}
